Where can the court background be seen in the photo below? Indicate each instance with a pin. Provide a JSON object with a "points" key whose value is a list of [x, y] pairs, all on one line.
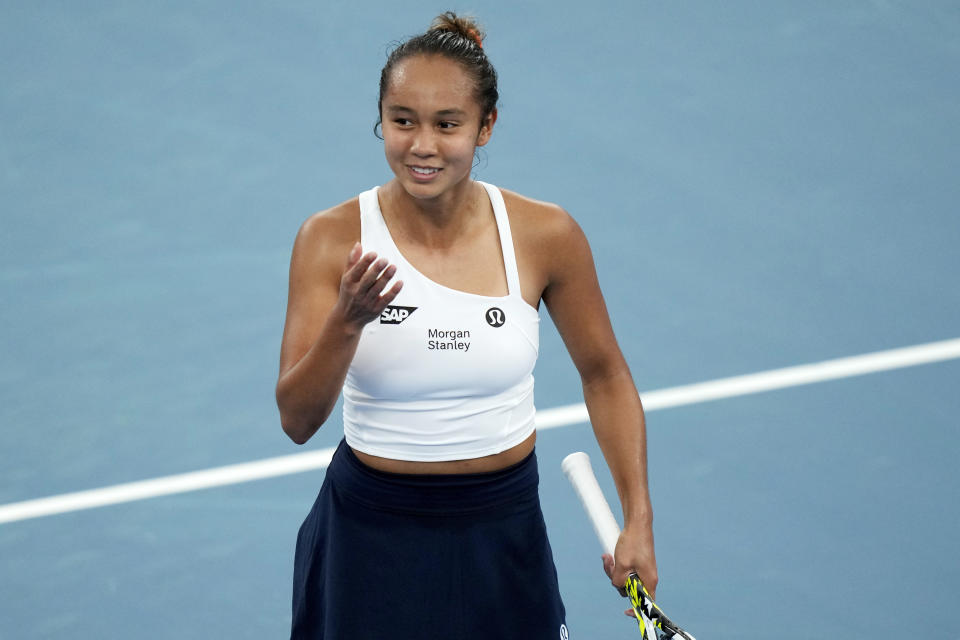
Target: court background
{"points": [[763, 184]]}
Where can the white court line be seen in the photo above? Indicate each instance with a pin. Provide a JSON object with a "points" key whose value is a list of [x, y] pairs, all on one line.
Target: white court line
{"points": [[546, 419]]}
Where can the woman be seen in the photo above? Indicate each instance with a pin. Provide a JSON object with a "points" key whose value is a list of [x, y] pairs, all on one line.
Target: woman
{"points": [[419, 300]]}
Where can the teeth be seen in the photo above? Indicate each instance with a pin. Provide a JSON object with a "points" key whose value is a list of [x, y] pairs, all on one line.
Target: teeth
{"points": [[424, 172]]}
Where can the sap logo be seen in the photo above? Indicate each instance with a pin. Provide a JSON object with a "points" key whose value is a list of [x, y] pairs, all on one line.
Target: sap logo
{"points": [[396, 315]]}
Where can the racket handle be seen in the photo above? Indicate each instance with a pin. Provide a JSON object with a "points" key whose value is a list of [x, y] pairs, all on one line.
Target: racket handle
{"points": [[576, 467]]}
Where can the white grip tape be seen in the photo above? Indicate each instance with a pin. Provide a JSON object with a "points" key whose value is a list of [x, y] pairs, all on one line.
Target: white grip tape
{"points": [[577, 468]]}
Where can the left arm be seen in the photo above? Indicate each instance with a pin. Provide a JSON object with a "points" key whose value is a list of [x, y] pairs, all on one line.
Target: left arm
{"points": [[572, 295]]}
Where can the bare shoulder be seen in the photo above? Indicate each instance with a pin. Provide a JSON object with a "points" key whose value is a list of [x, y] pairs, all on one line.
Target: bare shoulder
{"points": [[337, 225], [538, 220], [542, 228], [549, 242], [326, 237]]}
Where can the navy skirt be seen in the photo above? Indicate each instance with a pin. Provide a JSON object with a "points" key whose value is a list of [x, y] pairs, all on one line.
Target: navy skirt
{"points": [[384, 555]]}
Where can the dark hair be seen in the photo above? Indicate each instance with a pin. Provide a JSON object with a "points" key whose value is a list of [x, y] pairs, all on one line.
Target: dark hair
{"points": [[458, 38]]}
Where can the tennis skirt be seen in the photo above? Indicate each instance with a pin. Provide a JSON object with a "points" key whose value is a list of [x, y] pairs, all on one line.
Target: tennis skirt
{"points": [[405, 557]]}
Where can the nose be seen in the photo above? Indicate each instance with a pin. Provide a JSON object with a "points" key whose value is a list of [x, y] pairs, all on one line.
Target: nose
{"points": [[424, 142]]}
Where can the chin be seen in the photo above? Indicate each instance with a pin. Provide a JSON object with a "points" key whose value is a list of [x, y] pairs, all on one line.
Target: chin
{"points": [[425, 195], [432, 190], [422, 191]]}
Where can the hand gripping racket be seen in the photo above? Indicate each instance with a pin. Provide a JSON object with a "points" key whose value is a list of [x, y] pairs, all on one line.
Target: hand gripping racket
{"points": [[654, 625]]}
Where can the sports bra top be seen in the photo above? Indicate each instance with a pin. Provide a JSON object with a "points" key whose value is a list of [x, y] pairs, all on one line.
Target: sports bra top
{"points": [[442, 374]]}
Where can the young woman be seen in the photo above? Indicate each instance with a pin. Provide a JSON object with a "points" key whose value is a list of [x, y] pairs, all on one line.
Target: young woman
{"points": [[418, 300]]}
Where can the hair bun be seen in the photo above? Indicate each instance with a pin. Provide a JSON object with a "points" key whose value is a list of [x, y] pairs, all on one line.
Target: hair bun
{"points": [[456, 38], [463, 25]]}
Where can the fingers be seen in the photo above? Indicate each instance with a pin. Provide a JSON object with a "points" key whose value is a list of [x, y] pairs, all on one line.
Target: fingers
{"points": [[634, 554], [377, 276], [607, 564], [388, 297], [619, 581], [363, 286], [649, 579], [378, 300], [358, 267], [363, 273], [609, 567]]}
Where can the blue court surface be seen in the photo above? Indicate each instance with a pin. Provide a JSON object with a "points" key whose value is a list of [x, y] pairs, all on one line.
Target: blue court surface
{"points": [[764, 185]]}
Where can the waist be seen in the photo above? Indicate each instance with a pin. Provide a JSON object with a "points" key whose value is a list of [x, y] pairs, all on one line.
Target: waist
{"points": [[433, 493], [484, 464]]}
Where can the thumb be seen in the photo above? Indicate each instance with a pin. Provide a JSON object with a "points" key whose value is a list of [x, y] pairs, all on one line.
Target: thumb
{"points": [[355, 253]]}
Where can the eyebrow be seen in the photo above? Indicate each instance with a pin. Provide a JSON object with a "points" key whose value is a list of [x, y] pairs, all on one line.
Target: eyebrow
{"points": [[442, 112]]}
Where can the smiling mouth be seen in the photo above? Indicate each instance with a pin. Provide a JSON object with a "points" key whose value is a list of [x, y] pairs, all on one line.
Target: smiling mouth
{"points": [[424, 171]]}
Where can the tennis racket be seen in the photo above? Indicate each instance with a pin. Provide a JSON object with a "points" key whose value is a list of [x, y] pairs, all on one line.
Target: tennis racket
{"points": [[654, 625]]}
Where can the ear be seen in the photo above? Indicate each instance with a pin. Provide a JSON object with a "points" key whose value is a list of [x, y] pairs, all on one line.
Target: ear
{"points": [[486, 128]]}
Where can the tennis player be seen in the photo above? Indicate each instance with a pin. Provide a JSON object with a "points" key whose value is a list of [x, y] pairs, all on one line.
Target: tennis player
{"points": [[418, 299]]}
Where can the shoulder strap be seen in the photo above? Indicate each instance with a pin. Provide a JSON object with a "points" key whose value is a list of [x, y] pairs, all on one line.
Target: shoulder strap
{"points": [[371, 220], [506, 238]]}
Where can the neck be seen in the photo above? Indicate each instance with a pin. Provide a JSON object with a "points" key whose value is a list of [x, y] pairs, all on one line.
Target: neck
{"points": [[435, 222]]}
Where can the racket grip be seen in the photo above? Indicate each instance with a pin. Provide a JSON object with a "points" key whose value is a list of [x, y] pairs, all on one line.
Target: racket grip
{"points": [[576, 467]]}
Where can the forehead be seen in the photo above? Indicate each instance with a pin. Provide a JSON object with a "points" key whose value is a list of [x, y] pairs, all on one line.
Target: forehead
{"points": [[430, 83]]}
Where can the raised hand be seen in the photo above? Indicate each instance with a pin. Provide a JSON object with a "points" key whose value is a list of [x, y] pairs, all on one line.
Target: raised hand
{"points": [[362, 296]]}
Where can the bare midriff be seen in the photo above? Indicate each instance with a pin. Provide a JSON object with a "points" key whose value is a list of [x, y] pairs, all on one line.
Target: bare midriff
{"points": [[485, 464]]}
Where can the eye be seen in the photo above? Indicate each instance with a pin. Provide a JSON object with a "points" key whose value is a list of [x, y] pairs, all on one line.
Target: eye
{"points": [[402, 122], [445, 124]]}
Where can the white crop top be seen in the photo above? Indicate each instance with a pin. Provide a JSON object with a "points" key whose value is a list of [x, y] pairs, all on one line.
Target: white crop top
{"points": [[442, 374]]}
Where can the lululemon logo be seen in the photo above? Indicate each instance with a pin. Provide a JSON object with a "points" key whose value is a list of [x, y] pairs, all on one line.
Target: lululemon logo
{"points": [[564, 634], [395, 315], [496, 317]]}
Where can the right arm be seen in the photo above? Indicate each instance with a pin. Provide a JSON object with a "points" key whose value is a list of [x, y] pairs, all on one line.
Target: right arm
{"points": [[334, 291]]}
